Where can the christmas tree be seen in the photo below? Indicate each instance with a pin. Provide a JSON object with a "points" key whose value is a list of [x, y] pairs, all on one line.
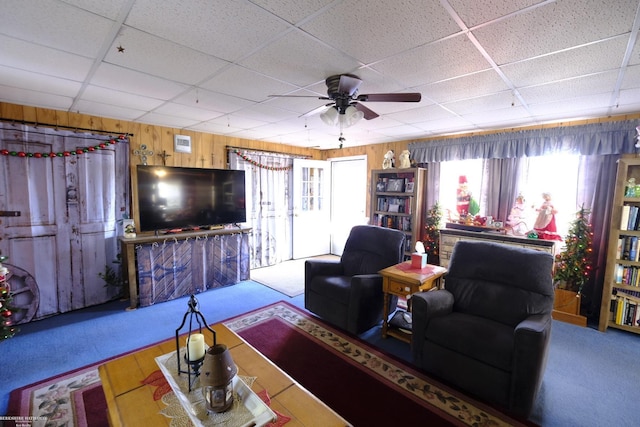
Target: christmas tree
{"points": [[431, 239], [7, 329], [573, 266]]}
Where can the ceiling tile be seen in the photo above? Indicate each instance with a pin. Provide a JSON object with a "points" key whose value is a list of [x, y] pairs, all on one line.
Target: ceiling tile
{"points": [[485, 104], [146, 53], [212, 101], [122, 112], [118, 78], [434, 62], [182, 111], [580, 107], [38, 82], [300, 60], [476, 12], [168, 121], [510, 116], [48, 24], [237, 122], [228, 29], [109, 9], [555, 26], [468, 86], [631, 77], [32, 98], [370, 34], [115, 97], [293, 11], [571, 88], [244, 83], [592, 58], [33, 57]]}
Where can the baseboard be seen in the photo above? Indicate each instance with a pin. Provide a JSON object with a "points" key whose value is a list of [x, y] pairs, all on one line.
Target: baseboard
{"points": [[574, 319]]}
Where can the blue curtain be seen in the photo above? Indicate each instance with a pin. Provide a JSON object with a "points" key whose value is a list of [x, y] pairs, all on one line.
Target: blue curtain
{"points": [[592, 139]]}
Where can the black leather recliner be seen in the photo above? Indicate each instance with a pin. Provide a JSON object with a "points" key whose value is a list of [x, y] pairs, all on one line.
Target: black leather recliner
{"points": [[488, 331], [348, 293]]}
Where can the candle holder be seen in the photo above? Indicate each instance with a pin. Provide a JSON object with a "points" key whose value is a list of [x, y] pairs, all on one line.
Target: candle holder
{"points": [[195, 344]]}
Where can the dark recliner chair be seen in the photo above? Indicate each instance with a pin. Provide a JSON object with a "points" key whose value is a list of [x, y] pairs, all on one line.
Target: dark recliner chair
{"points": [[348, 293], [488, 331]]}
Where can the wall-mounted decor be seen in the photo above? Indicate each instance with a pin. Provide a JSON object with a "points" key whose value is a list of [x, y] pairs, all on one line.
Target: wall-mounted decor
{"points": [[182, 143]]}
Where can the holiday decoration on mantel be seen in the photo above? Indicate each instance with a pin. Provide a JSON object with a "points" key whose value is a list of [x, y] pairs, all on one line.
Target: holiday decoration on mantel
{"points": [[573, 266], [7, 329], [62, 154], [260, 165]]}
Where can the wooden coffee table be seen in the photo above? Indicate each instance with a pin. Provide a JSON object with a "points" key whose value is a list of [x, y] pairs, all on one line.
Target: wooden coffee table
{"points": [[130, 403], [403, 281]]}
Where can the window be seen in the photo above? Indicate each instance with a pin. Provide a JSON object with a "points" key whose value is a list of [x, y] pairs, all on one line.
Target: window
{"points": [[556, 174], [450, 175]]}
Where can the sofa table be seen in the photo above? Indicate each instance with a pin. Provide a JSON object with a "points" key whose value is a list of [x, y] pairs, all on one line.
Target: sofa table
{"points": [[131, 403], [403, 280]]}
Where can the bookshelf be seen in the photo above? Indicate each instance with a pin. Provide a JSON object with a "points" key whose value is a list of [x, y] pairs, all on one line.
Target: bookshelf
{"points": [[620, 306], [397, 197]]}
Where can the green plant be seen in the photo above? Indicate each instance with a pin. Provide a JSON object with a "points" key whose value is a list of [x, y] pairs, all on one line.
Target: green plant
{"points": [[112, 278], [573, 266], [431, 238]]}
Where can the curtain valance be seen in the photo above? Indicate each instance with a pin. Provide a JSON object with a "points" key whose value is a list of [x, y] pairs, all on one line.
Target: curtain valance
{"points": [[598, 138]]}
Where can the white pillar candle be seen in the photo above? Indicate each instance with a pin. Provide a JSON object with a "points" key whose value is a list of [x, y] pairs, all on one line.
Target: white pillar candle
{"points": [[195, 347]]}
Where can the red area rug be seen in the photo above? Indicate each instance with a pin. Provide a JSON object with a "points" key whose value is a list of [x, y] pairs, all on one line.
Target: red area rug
{"points": [[362, 384], [74, 398]]}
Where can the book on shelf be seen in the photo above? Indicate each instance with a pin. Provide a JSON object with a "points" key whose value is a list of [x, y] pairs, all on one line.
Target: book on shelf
{"points": [[626, 311], [630, 218], [627, 275], [624, 217], [619, 248], [626, 249], [633, 252], [633, 217]]}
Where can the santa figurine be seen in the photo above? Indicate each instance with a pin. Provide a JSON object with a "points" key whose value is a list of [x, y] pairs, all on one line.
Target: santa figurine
{"points": [[463, 197], [517, 220], [545, 225]]}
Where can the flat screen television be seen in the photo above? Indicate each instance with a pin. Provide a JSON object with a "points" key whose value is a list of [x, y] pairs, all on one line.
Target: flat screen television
{"points": [[178, 198]]}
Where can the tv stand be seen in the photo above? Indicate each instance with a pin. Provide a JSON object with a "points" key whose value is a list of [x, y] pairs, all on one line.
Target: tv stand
{"points": [[159, 268]]}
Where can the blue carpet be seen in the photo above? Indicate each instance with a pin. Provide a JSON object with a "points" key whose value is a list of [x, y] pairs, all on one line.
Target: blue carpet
{"points": [[591, 378]]}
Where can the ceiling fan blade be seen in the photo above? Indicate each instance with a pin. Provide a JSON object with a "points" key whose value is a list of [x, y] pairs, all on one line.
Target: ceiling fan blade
{"points": [[390, 97], [368, 114], [299, 96], [317, 110], [349, 84]]}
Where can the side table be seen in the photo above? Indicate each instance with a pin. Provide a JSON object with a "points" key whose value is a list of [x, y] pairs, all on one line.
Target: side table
{"points": [[403, 280]]}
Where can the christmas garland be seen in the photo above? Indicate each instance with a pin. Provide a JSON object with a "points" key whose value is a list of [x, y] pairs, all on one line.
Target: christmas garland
{"points": [[84, 150], [260, 165]]}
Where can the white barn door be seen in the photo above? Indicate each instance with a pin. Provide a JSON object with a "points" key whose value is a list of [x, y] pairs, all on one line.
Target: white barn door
{"points": [[64, 233]]}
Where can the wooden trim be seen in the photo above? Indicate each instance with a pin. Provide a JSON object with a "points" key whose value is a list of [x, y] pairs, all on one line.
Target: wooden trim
{"points": [[574, 319]]}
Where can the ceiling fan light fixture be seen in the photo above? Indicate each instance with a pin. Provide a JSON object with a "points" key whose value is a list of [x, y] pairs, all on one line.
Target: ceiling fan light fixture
{"points": [[330, 116], [351, 116]]}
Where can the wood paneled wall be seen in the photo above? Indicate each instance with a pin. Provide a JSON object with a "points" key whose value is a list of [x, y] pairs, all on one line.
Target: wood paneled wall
{"points": [[209, 150]]}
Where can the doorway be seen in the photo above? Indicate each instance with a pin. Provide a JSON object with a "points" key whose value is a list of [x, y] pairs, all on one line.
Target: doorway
{"points": [[348, 198]]}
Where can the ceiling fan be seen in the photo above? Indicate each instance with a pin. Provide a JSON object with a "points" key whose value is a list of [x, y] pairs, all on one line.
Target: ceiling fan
{"points": [[346, 106]]}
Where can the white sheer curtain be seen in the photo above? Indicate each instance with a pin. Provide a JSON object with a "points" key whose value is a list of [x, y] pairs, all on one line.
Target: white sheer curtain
{"points": [[269, 179]]}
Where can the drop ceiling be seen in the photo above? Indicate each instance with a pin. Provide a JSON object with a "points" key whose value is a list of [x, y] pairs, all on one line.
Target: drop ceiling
{"points": [[211, 66]]}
